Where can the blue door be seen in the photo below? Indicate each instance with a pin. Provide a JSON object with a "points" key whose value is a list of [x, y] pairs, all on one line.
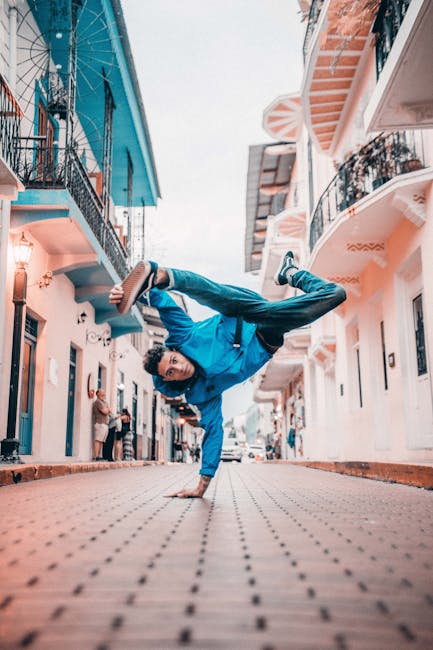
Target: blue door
{"points": [[27, 386], [71, 402]]}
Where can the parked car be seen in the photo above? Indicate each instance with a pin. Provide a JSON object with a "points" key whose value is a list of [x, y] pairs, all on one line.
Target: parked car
{"points": [[257, 452], [231, 450]]}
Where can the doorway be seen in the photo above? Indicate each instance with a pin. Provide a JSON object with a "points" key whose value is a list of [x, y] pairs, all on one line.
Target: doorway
{"points": [[71, 402], [28, 386], [414, 342]]}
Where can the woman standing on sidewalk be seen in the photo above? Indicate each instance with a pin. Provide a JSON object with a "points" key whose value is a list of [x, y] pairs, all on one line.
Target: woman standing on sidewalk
{"points": [[126, 433]]}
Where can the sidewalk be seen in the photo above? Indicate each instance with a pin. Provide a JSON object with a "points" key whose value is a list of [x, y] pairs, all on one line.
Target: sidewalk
{"points": [[21, 473], [416, 475], [275, 557]]}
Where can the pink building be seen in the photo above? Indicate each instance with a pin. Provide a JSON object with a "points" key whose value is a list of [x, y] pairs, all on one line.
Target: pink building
{"points": [[348, 186]]}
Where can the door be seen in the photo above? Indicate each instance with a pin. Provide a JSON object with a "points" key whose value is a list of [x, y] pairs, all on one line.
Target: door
{"points": [[422, 426], [27, 386], [331, 414], [379, 379], [71, 402]]}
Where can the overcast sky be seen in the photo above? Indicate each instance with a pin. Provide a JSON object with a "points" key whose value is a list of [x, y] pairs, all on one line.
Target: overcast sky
{"points": [[207, 70]]}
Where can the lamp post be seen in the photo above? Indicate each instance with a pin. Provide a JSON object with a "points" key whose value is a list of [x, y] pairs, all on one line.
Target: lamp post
{"points": [[22, 253]]}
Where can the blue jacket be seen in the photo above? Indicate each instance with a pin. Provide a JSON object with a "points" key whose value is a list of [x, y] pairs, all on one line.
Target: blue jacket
{"points": [[220, 365]]}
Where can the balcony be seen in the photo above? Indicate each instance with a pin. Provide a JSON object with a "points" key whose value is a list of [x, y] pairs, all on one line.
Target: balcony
{"points": [[64, 213], [336, 41], [268, 182], [40, 167], [10, 122], [313, 17], [284, 367], [371, 192], [403, 96], [388, 22]]}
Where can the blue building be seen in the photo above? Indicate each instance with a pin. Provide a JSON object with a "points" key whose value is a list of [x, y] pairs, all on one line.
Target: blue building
{"points": [[78, 148]]}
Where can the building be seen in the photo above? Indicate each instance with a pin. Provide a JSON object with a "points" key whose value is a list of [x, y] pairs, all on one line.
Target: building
{"points": [[76, 173], [356, 385]]}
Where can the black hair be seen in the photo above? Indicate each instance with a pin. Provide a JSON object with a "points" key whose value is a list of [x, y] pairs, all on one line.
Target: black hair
{"points": [[152, 358]]}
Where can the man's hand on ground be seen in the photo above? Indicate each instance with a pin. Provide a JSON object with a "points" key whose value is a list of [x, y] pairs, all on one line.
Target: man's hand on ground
{"points": [[197, 493], [116, 294], [186, 494]]}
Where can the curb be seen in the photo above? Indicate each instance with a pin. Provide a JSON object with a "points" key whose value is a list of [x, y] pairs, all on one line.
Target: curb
{"points": [[406, 474], [34, 471]]}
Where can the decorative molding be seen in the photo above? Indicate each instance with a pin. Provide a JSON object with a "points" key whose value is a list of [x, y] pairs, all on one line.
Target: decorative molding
{"points": [[350, 282], [375, 250], [365, 247], [323, 352], [412, 206]]}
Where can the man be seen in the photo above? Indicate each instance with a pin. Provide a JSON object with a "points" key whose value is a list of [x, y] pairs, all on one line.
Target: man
{"points": [[101, 416], [202, 360]]}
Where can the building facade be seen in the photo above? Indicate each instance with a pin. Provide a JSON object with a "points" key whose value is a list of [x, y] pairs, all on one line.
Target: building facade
{"points": [[348, 186], [76, 172]]}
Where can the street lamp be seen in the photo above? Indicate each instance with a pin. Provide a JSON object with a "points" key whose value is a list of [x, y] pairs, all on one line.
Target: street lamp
{"points": [[22, 252]]}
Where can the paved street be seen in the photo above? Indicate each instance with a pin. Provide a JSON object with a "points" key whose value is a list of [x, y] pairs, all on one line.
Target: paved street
{"points": [[275, 557]]}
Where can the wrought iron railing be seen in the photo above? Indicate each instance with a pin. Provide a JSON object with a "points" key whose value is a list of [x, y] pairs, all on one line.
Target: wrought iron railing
{"points": [[43, 167], [373, 165], [313, 17], [10, 122], [387, 24]]}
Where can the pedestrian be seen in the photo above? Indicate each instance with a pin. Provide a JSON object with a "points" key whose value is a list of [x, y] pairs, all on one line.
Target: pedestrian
{"points": [[109, 445], [101, 413], [125, 434], [118, 443], [202, 360], [177, 451], [185, 452], [197, 454]]}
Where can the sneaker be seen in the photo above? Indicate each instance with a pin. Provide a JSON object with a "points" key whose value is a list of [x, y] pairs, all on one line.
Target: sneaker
{"points": [[286, 269], [141, 279]]}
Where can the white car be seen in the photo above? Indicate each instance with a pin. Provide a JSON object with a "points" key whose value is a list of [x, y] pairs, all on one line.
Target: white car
{"points": [[257, 452], [231, 450]]}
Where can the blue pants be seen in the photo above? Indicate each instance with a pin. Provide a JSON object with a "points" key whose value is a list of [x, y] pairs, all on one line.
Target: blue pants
{"points": [[273, 319]]}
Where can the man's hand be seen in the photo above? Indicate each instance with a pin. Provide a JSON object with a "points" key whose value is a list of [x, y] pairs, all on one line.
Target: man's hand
{"points": [[197, 493], [116, 294]]}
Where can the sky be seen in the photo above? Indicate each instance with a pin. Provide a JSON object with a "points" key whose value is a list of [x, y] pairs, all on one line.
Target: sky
{"points": [[207, 70]]}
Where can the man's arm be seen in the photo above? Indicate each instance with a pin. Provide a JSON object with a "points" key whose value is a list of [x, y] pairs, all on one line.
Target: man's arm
{"points": [[212, 422], [175, 320], [102, 409]]}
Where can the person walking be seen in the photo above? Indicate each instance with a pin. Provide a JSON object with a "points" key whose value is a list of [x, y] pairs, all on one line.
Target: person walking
{"points": [[101, 416], [202, 360], [126, 435]]}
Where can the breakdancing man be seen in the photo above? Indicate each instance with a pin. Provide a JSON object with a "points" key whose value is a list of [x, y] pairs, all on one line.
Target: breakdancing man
{"points": [[203, 359]]}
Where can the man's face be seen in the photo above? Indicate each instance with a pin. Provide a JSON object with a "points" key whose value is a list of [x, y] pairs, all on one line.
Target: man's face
{"points": [[175, 366], [100, 394]]}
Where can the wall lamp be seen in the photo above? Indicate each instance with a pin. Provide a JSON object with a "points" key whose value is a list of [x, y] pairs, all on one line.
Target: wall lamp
{"points": [[81, 318], [95, 337], [114, 355]]}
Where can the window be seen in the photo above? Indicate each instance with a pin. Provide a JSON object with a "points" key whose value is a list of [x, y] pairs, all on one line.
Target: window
{"points": [[385, 368], [356, 365], [120, 390], [421, 354]]}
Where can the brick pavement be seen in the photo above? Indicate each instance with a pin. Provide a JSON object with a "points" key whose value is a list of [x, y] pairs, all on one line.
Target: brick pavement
{"points": [[276, 556]]}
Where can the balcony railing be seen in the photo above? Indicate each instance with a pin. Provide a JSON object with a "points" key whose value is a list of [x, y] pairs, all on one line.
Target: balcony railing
{"points": [[313, 17], [388, 21], [10, 121], [42, 167], [372, 166]]}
